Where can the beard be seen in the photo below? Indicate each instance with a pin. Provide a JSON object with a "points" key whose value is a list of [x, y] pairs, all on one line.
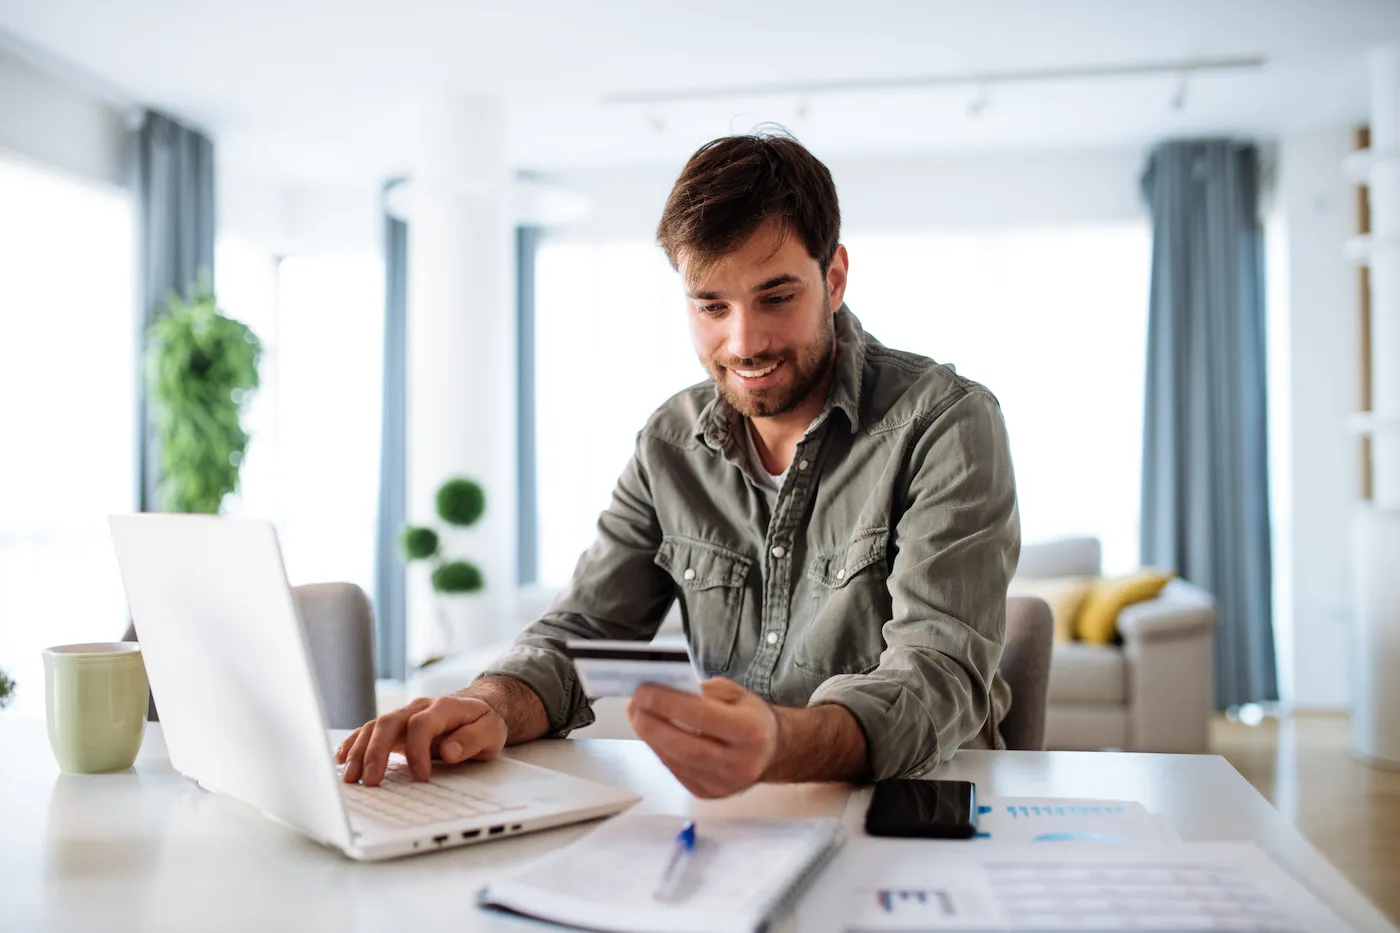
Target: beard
{"points": [[805, 366]]}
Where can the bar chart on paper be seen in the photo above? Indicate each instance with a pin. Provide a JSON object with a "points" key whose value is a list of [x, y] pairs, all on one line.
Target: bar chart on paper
{"points": [[901, 901], [903, 888]]}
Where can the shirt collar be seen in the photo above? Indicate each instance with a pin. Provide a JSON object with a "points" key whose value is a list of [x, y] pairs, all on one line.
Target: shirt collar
{"points": [[718, 420]]}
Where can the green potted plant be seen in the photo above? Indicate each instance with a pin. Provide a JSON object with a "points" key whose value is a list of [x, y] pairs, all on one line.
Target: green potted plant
{"points": [[202, 369], [460, 504], [7, 689]]}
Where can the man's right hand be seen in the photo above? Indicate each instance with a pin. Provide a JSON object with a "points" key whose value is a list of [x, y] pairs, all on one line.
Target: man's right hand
{"points": [[454, 729]]}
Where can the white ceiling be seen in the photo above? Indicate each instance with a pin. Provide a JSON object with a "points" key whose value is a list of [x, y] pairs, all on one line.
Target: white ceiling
{"points": [[325, 88]]}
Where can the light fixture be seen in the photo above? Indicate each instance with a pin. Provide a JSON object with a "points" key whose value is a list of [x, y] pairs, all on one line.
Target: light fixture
{"points": [[806, 89], [1179, 95], [980, 99]]}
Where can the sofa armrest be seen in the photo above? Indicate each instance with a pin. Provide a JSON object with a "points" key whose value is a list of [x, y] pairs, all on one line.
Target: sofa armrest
{"points": [[1167, 644], [1181, 611]]}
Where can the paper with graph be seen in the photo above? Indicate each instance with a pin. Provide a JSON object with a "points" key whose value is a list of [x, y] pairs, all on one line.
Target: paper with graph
{"points": [[1053, 819], [891, 886]]}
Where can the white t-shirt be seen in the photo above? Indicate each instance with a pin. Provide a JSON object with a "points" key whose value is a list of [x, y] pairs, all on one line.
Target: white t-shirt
{"points": [[771, 480]]}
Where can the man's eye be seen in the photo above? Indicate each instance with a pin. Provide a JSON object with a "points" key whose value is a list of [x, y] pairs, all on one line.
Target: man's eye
{"points": [[711, 309], [779, 299]]}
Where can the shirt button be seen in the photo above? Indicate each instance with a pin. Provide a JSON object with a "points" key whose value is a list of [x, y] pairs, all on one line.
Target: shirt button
{"points": [[689, 574], [772, 638], [802, 464], [780, 551], [841, 574]]}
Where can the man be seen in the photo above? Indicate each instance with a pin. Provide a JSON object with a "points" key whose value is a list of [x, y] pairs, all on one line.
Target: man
{"points": [[838, 520]]}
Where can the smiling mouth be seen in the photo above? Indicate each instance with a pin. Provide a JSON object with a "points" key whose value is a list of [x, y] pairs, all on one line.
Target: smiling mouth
{"points": [[756, 373]]}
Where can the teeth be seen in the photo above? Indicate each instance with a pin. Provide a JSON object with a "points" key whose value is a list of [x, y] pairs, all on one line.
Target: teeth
{"points": [[756, 373]]}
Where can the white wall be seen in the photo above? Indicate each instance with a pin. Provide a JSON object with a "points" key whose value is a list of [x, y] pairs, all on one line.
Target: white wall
{"points": [[286, 217], [1315, 387], [49, 120], [1061, 186]]}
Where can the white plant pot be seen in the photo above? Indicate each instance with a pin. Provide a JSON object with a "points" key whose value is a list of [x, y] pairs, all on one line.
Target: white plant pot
{"points": [[462, 624]]}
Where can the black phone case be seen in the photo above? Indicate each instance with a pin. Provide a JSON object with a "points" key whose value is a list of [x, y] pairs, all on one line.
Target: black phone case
{"points": [[878, 823]]}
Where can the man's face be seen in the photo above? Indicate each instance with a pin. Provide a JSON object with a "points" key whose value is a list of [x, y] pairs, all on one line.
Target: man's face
{"points": [[761, 319]]}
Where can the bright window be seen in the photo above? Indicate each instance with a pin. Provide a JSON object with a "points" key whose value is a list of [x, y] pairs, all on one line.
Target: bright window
{"points": [[68, 394], [313, 459], [611, 344], [1053, 320]]}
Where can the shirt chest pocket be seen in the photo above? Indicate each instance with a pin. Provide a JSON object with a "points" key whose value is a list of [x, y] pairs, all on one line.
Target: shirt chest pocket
{"points": [[849, 605], [711, 580]]}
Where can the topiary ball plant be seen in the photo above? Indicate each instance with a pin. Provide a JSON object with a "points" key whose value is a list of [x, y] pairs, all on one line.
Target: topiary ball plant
{"points": [[460, 503], [457, 576], [420, 543]]}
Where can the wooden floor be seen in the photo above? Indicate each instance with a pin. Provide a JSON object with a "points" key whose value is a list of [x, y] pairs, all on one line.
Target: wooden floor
{"points": [[1350, 812]]}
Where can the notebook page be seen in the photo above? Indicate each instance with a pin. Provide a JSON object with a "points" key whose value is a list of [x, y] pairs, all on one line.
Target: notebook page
{"points": [[740, 870]]}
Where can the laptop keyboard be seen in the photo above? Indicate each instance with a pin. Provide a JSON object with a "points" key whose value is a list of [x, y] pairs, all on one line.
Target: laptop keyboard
{"points": [[399, 800]]}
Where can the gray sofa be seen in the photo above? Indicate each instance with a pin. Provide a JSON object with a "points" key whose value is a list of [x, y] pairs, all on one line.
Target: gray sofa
{"points": [[1152, 692]]}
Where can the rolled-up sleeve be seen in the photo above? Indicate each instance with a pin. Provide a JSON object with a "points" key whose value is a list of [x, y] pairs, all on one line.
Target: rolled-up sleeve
{"points": [[955, 546], [617, 592]]}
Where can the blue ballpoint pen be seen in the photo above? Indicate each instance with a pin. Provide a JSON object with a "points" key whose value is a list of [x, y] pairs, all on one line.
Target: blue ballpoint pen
{"points": [[675, 868]]}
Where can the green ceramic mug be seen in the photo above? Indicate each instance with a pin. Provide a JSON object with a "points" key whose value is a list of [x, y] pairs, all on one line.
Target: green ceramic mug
{"points": [[96, 696]]}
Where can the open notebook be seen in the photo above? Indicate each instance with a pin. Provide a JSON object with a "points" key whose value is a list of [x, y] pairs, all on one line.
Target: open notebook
{"points": [[743, 871]]}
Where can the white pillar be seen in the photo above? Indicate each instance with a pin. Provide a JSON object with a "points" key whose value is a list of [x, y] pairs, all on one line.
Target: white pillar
{"points": [[462, 354], [1385, 272], [1377, 530]]}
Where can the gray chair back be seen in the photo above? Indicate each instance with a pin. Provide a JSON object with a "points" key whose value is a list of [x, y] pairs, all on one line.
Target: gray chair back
{"points": [[1025, 665], [339, 623]]}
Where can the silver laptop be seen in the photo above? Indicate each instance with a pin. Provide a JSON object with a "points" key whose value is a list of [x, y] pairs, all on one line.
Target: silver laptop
{"points": [[227, 659]]}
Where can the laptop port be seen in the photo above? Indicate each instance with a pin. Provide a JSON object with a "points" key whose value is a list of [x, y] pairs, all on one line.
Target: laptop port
{"points": [[471, 834], [497, 830], [515, 827], [441, 839]]}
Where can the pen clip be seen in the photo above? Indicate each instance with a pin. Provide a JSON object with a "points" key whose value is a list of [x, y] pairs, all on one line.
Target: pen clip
{"points": [[675, 868]]}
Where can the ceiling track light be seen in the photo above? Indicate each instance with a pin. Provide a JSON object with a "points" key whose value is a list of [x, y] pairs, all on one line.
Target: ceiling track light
{"points": [[979, 102], [1181, 67], [1179, 95]]}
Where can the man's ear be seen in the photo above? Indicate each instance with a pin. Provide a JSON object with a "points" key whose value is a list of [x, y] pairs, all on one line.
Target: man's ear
{"points": [[836, 273]]}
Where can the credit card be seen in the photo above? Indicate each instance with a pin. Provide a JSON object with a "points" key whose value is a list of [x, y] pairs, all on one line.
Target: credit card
{"points": [[618, 668]]}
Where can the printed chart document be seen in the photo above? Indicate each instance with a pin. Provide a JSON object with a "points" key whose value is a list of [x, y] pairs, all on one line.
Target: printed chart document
{"points": [[1056, 819], [893, 886], [741, 872]]}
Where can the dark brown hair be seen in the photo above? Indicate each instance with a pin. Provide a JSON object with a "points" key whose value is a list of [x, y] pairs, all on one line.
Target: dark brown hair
{"points": [[733, 184]]}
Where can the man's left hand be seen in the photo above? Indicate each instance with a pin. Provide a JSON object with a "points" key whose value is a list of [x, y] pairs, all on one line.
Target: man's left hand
{"points": [[716, 744]]}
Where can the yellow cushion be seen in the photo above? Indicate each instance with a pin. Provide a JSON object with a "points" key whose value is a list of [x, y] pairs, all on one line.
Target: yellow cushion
{"points": [[1098, 619], [1065, 596]]}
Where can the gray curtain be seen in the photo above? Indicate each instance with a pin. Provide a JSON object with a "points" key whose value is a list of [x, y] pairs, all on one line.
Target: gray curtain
{"points": [[527, 245], [389, 581], [173, 178], [1205, 510]]}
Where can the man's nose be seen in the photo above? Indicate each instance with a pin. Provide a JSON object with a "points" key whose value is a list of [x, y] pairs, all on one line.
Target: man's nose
{"points": [[747, 338]]}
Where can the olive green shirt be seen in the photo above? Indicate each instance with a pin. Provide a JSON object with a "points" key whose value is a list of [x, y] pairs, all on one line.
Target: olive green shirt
{"points": [[875, 578]]}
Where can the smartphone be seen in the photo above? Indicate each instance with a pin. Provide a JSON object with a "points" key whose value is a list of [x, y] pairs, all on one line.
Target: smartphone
{"points": [[923, 809]]}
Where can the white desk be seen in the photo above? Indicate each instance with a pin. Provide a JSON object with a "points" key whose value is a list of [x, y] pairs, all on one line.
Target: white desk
{"points": [[146, 850]]}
